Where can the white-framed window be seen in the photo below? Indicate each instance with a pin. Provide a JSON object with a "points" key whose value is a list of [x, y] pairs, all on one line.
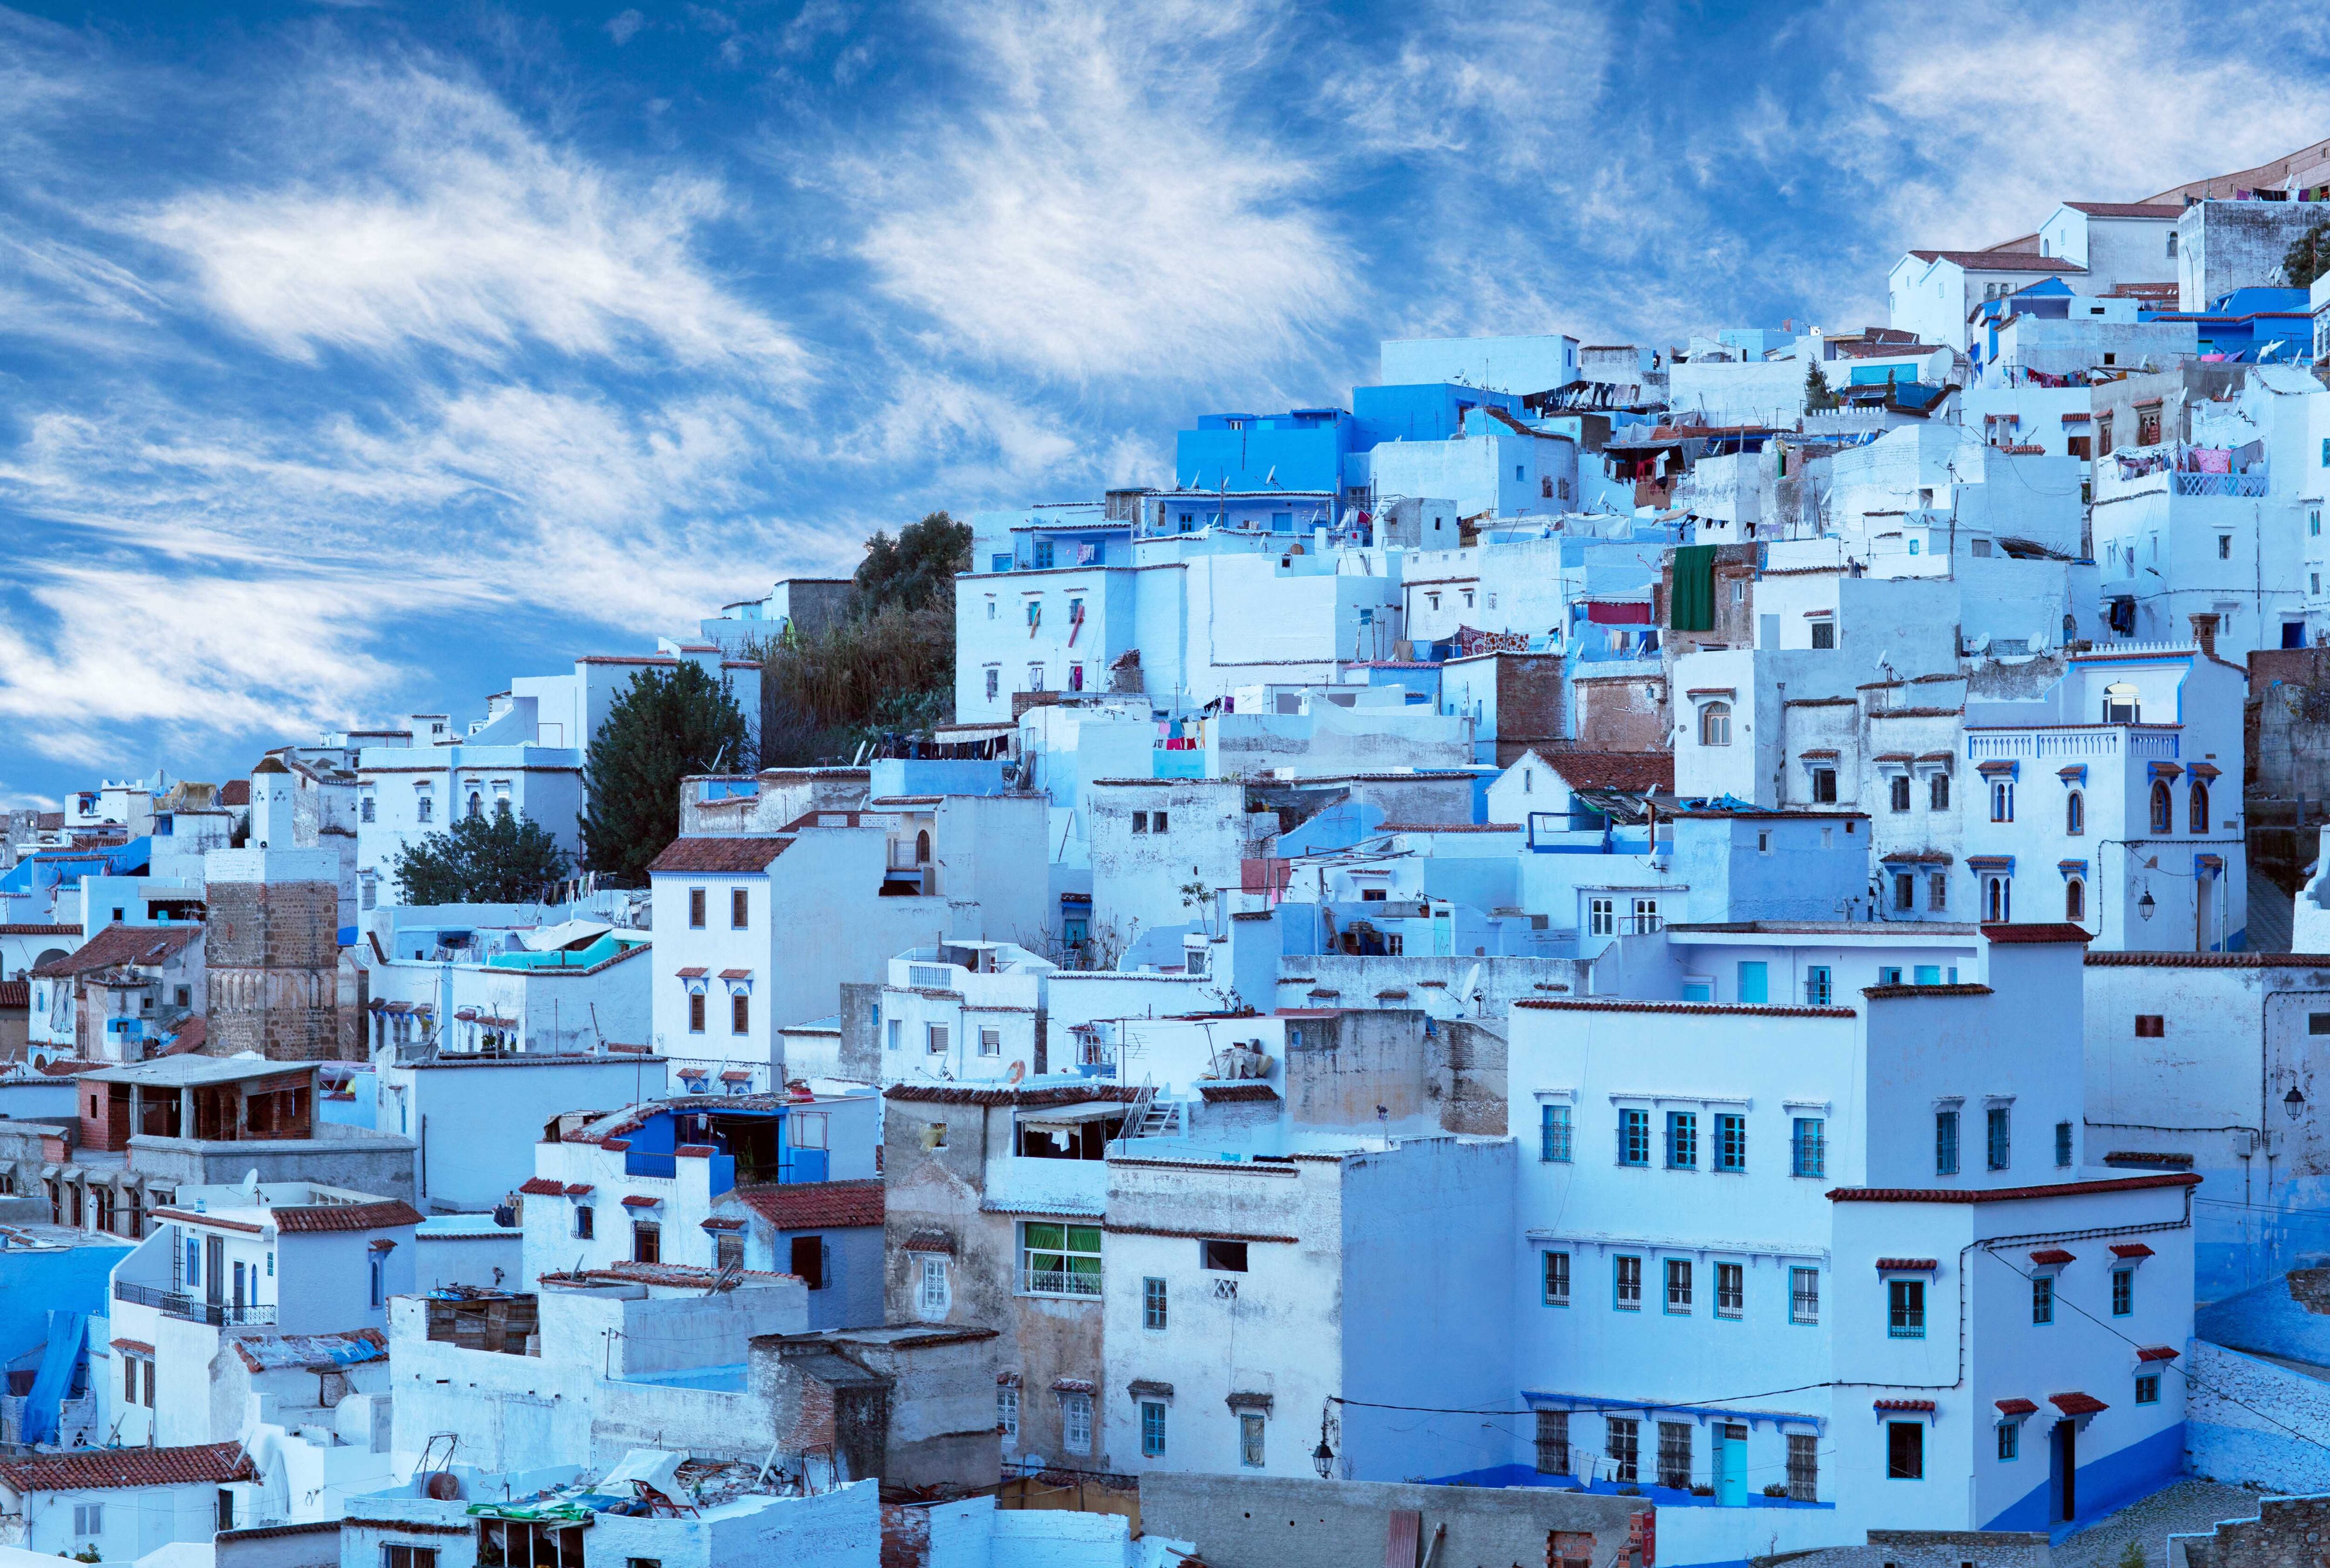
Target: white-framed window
{"points": [[1602, 917], [1715, 725], [932, 1298], [1803, 1295], [89, 1519], [1007, 1410], [994, 675], [1250, 1439], [1059, 1260], [990, 1041], [1075, 1421], [935, 1039]]}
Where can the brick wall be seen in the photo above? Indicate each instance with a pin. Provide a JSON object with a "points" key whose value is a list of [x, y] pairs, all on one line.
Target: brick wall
{"points": [[1528, 704], [273, 953], [1622, 713], [272, 925]]}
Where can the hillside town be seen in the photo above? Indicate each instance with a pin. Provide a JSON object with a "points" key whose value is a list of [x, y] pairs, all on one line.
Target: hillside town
{"points": [[1386, 930]]}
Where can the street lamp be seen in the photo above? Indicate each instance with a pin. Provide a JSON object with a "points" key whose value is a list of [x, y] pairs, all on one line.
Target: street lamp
{"points": [[1323, 1459], [2294, 1103], [2144, 906]]}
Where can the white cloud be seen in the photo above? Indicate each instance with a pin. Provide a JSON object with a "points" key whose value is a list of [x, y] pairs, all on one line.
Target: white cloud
{"points": [[624, 25]]}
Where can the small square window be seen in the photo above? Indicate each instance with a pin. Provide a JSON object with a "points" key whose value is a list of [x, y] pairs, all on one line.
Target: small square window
{"points": [[2147, 1389], [2154, 1025], [1223, 1257], [2010, 1439]]}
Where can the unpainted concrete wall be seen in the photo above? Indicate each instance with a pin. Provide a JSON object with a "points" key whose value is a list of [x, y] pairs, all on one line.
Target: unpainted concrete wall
{"points": [[1283, 1522]]}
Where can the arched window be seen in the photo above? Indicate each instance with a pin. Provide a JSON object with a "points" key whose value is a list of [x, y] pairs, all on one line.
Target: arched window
{"points": [[2120, 704], [2163, 809], [1715, 725], [1999, 901], [2075, 814], [476, 804], [2075, 899], [922, 847], [2197, 817]]}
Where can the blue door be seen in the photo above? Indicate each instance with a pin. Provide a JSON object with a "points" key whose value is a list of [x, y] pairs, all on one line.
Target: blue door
{"points": [[1732, 1466], [1754, 984]]}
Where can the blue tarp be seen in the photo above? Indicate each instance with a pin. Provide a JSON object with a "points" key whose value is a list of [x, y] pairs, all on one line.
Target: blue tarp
{"points": [[53, 1382]]}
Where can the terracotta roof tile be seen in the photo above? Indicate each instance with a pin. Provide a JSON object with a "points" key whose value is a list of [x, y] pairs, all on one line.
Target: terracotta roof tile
{"points": [[541, 1187], [379, 1216], [2004, 1194], [85, 1470], [719, 855], [2017, 1407], [2001, 260], [2057, 933], [118, 945], [2076, 1403], [816, 1206]]}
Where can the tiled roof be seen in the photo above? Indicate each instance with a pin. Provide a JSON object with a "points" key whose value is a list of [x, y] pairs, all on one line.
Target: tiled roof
{"points": [[85, 1470], [1883, 992], [234, 792], [2127, 209], [1921, 1405], [1617, 1005], [2017, 1407], [1630, 770], [950, 1094], [1232, 1093], [541, 1187], [927, 1242], [2054, 1256], [346, 1216], [2211, 961], [719, 855], [14, 994], [2076, 1403], [2131, 1250], [816, 1206], [118, 945], [654, 1274], [2057, 933], [2001, 260], [36, 929], [2157, 1353], [2003, 1195], [1906, 1265]]}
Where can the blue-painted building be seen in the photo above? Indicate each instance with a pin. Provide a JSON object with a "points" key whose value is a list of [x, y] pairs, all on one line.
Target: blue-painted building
{"points": [[2252, 325]]}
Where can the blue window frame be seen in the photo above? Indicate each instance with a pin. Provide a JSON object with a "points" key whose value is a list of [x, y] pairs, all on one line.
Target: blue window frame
{"points": [[1808, 1150], [1946, 1143], [1820, 986], [1553, 1131], [1755, 983], [1633, 1138], [1905, 1303], [2043, 1299], [2147, 1389], [2001, 1146], [2062, 1144], [2010, 1439], [1730, 1142], [1683, 1140], [2122, 1292], [1153, 1428]]}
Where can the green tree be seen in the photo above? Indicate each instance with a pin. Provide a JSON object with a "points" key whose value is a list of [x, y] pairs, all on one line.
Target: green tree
{"points": [[497, 857], [1816, 392], [665, 725], [2309, 256], [916, 570]]}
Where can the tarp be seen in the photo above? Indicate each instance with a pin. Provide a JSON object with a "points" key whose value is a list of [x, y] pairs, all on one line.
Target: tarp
{"points": [[53, 1382], [1693, 609], [1602, 612], [566, 934]]}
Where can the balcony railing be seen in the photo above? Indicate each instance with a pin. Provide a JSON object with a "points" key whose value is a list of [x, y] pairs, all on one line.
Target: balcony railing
{"points": [[2221, 484], [2051, 745], [1057, 1282], [179, 1304]]}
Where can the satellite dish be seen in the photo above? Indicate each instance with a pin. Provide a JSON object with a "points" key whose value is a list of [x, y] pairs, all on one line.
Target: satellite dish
{"points": [[1018, 1071], [1471, 990]]}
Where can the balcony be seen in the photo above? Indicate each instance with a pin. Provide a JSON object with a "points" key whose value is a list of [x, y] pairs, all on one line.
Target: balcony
{"points": [[2229, 484], [179, 1304], [2136, 741], [1058, 1282]]}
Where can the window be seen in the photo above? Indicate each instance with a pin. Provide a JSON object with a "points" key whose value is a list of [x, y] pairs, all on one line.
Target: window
{"points": [[739, 907], [646, 1241], [2122, 1292], [2224, 547], [2075, 814], [1157, 822], [2164, 807], [1679, 1285], [1825, 785], [805, 1259], [1624, 1448], [1823, 634], [1820, 987], [1553, 1132], [728, 1252], [1804, 1467], [1683, 1140], [1628, 1279], [1222, 1257], [897, 1033], [1730, 1290], [1755, 987], [2147, 425], [1153, 1428], [1058, 1260], [2104, 436], [424, 807], [1075, 1423], [129, 1380], [1715, 725], [2062, 1144], [740, 1013], [1937, 792], [1140, 821], [2196, 811], [364, 809], [1937, 890], [1152, 1304], [1674, 1455], [1250, 1453], [696, 909], [1553, 1442], [1905, 1450], [89, 1518], [932, 1299], [1633, 1138], [2002, 800], [934, 1039], [696, 1011], [582, 1222], [1730, 1142], [2043, 1299], [1557, 1279], [1808, 1150], [1905, 891], [1998, 894], [1007, 1410], [994, 676], [2151, 1026], [991, 1041], [2148, 1388], [1036, 677], [1905, 1309], [2075, 899], [2010, 1439], [1803, 1295], [1602, 917], [1898, 791], [378, 1271], [1998, 1142]]}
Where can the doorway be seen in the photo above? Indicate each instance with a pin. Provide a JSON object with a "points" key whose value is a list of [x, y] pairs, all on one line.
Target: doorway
{"points": [[1731, 1465], [214, 1267], [2063, 1471]]}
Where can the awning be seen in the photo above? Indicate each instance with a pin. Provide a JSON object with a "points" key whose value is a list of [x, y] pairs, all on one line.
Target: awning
{"points": [[566, 934], [2076, 1403], [1603, 613], [1075, 1115]]}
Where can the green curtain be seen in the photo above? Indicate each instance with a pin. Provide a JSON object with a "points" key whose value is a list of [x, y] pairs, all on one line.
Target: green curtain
{"points": [[1694, 607]]}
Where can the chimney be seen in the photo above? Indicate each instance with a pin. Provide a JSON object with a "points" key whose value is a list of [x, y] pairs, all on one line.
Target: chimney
{"points": [[2204, 632]]}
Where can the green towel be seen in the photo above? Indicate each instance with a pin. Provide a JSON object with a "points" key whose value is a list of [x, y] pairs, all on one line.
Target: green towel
{"points": [[1693, 606]]}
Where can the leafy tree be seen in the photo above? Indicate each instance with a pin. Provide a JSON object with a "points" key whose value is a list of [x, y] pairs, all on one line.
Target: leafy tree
{"points": [[916, 570], [498, 857], [665, 724], [1816, 394], [2309, 256]]}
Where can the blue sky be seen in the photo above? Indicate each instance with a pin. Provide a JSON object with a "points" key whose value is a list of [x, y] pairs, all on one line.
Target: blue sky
{"points": [[355, 358]]}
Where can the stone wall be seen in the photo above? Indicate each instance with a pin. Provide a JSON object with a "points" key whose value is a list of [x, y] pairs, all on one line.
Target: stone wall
{"points": [[1623, 712], [272, 952], [1925, 1549], [2287, 1534], [2226, 1437], [1291, 1522]]}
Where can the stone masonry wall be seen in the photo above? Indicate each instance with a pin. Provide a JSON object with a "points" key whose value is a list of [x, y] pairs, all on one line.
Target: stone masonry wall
{"points": [[272, 951]]}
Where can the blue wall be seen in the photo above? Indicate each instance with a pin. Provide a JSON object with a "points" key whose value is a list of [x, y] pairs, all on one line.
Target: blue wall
{"points": [[1305, 446], [1418, 413]]}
